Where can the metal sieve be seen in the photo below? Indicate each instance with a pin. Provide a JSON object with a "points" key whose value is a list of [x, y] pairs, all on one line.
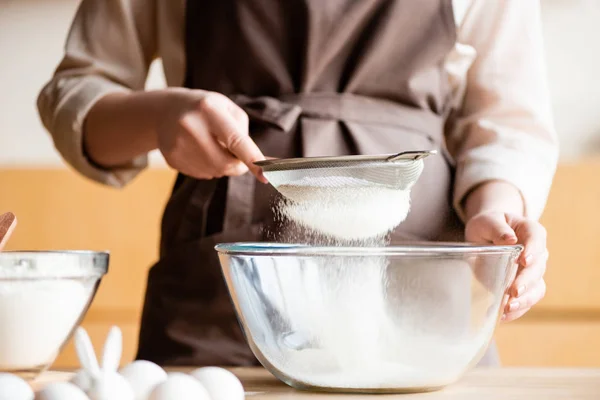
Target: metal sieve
{"points": [[397, 171]]}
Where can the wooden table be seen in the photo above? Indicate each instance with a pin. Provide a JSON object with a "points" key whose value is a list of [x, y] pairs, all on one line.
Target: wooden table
{"points": [[481, 384]]}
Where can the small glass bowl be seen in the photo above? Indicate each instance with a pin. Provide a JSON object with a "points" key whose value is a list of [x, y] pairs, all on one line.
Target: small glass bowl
{"points": [[44, 296]]}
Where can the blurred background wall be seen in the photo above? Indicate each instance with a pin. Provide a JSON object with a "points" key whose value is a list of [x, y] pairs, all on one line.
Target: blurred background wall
{"points": [[59, 209]]}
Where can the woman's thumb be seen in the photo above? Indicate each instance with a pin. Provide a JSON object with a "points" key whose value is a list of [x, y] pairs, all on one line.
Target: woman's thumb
{"points": [[493, 229]]}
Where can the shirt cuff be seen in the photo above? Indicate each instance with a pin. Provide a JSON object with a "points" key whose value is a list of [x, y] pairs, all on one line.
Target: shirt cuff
{"points": [[67, 129], [531, 175]]}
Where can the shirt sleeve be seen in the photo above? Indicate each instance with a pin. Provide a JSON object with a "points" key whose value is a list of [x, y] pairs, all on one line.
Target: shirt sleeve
{"points": [[109, 49], [503, 129]]}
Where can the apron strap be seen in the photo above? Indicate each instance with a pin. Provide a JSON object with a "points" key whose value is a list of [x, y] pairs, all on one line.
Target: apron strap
{"points": [[269, 110], [283, 112]]}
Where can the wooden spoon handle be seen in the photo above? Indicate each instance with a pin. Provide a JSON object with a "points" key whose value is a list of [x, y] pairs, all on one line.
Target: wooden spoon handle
{"points": [[8, 221]]}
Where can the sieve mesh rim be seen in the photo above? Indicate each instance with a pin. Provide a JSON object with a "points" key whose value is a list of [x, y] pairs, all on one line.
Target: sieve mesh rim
{"points": [[342, 161]]}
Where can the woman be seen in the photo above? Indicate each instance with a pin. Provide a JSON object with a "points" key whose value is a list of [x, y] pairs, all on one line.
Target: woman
{"points": [[251, 78]]}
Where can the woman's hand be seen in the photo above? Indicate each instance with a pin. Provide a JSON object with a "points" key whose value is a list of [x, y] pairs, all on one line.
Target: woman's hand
{"points": [[499, 228], [205, 135], [487, 225], [201, 134]]}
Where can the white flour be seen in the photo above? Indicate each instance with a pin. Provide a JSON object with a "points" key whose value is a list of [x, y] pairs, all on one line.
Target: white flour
{"points": [[354, 335], [37, 315], [345, 208], [351, 330]]}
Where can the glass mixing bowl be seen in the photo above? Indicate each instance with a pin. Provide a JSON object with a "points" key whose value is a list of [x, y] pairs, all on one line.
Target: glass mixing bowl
{"points": [[377, 320], [44, 295]]}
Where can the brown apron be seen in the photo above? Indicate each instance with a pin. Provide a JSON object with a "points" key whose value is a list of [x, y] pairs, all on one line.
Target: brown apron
{"points": [[316, 77]]}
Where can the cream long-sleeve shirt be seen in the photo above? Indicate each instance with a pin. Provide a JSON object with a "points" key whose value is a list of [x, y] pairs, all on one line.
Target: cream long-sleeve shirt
{"points": [[503, 129]]}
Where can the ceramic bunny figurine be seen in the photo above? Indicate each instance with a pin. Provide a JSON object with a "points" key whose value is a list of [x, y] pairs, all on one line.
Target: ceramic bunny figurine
{"points": [[101, 383]]}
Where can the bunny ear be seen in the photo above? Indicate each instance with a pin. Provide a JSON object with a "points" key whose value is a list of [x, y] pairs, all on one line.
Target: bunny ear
{"points": [[113, 349], [85, 352]]}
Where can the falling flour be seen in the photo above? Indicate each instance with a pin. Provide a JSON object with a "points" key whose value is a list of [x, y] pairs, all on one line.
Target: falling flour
{"points": [[346, 332], [37, 312], [351, 327]]}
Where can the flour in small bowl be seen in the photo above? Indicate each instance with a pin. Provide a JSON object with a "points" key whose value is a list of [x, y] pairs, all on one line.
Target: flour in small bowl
{"points": [[36, 318], [41, 302]]}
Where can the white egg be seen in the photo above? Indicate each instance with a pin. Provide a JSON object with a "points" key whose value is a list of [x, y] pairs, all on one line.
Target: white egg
{"points": [[110, 385], [179, 386], [82, 380], [219, 383], [61, 391], [143, 376], [14, 388]]}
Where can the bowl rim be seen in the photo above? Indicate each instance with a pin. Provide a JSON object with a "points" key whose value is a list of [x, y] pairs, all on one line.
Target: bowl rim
{"points": [[54, 252], [413, 249], [97, 263]]}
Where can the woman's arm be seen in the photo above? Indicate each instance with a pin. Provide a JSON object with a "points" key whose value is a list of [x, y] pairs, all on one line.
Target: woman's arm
{"points": [[201, 134], [504, 141], [104, 123], [121, 127], [107, 56], [503, 129], [494, 196]]}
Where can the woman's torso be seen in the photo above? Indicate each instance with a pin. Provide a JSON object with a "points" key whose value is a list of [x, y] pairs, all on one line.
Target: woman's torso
{"points": [[317, 78]]}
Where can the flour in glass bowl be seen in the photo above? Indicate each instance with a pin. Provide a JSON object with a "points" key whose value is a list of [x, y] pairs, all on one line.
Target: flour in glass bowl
{"points": [[342, 304]]}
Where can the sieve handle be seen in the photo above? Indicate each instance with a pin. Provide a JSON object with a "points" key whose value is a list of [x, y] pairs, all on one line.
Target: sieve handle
{"points": [[411, 155]]}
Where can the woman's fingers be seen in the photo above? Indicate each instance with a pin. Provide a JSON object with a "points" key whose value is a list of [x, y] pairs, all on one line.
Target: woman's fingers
{"points": [[518, 306], [216, 161], [224, 163], [491, 228], [515, 315], [529, 275], [534, 256], [532, 236], [528, 287], [232, 132]]}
